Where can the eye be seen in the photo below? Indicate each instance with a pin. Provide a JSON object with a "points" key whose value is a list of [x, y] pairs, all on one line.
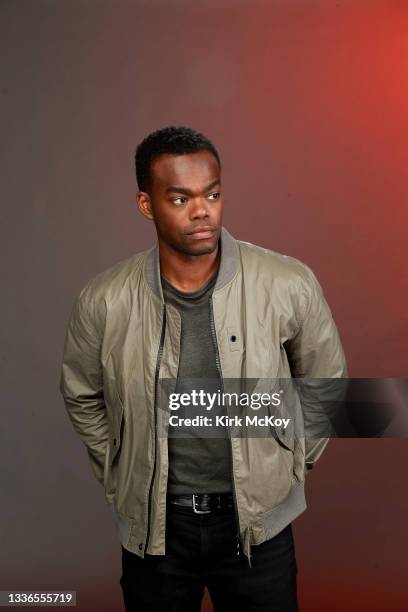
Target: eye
{"points": [[178, 201], [216, 194]]}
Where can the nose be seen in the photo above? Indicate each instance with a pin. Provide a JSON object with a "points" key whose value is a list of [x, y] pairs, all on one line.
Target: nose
{"points": [[199, 208]]}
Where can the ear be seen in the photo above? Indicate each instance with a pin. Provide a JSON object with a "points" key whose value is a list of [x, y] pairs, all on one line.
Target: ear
{"points": [[144, 204]]}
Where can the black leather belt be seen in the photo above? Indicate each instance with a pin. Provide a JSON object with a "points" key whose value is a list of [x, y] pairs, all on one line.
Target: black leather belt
{"points": [[203, 503]]}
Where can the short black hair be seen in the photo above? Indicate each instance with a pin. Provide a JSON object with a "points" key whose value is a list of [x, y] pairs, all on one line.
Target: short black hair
{"points": [[172, 141]]}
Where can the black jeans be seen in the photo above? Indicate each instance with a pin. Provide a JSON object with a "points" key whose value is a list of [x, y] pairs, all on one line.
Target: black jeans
{"points": [[201, 550]]}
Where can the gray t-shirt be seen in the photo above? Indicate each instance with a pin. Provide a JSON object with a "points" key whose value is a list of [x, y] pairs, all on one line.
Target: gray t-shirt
{"points": [[197, 464]]}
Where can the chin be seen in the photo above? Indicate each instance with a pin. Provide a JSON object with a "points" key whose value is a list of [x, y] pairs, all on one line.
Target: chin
{"points": [[203, 246], [208, 245]]}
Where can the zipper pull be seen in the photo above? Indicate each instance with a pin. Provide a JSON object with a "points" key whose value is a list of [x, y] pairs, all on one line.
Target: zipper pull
{"points": [[238, 546]]}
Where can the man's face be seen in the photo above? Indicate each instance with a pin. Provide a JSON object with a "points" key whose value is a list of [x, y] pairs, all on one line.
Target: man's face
{"points": [[185, 196]]}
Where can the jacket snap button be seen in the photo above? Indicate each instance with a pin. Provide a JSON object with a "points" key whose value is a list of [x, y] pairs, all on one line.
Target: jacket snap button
{"points": [[140, 546], [233, 338]]}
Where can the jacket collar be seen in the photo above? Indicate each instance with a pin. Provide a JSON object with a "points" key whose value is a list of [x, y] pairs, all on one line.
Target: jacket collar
{"points": [[229, 264]]}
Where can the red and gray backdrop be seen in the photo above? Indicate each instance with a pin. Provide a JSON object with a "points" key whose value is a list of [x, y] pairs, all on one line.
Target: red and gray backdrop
{"points": [[307, 102]]}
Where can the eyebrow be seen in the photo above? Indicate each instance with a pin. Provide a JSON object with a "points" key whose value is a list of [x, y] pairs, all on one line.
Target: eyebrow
{"points": [[175, 189]]}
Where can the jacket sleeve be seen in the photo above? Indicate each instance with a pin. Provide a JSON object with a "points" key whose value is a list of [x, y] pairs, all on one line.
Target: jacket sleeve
{"points": [[81, 381], [318, 364]]}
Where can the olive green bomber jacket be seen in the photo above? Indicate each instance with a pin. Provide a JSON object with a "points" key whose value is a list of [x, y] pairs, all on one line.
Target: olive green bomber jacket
{"points": [[270, 321]]}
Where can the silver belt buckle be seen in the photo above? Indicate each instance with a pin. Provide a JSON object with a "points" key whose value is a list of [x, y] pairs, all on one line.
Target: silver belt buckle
{"points": [[195, 508]]}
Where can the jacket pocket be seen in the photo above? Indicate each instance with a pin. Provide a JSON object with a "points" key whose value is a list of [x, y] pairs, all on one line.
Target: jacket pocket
{"points": [[286, 440], [115, 433], [116, 423], [283, 429]]}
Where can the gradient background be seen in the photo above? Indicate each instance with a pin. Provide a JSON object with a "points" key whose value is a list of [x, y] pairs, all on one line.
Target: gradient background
{"points": [[306, 101]]}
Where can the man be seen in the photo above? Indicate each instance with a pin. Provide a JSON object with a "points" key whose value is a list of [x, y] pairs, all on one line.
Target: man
{"points": [[193, 511]]}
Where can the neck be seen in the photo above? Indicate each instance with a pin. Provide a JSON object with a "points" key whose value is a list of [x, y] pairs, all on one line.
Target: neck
{"points": [[188, 272]]}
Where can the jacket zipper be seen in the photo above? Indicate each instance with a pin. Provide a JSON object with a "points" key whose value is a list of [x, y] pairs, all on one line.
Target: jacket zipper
{"points": [[156, 380], [218, 364]]}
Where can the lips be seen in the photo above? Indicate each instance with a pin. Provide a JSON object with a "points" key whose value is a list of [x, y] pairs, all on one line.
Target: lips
{"points": [[202, 232]]}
